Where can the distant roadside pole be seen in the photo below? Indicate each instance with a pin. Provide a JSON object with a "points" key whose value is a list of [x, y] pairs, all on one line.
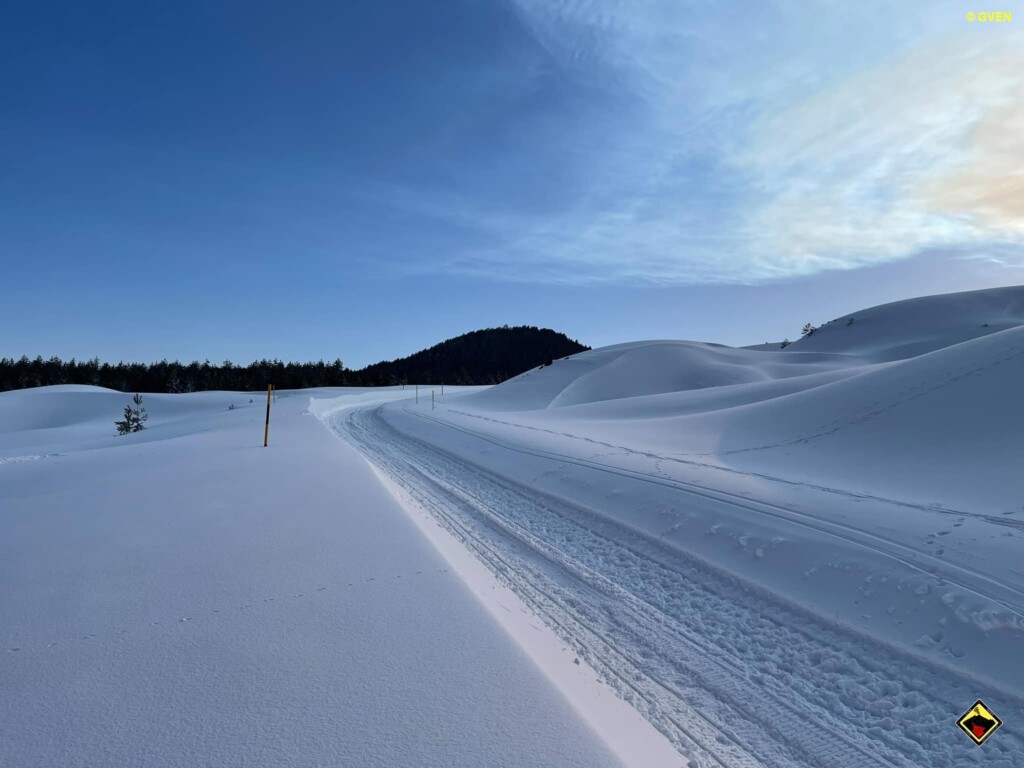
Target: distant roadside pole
{"points": [[266, 426]]}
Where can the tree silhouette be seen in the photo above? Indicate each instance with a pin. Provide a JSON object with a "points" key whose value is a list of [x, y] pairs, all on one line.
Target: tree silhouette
{"points": [[481, 357], [134, 418]]}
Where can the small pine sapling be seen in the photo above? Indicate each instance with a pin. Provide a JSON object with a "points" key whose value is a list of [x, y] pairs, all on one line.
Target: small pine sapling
{"points": [[134, 418]]}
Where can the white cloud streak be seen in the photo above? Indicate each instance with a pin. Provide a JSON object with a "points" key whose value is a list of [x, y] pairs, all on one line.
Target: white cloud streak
{"points": [[774, 142]]}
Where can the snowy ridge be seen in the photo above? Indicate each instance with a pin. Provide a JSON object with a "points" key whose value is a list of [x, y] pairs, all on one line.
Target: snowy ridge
{"points": [[912, 327]]}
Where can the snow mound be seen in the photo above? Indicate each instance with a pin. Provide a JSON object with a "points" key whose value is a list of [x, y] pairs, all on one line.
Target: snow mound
{"points": [[681, 366], [840, 349], [913, 327], [58, 406], [646, 368], [946, 422], [57, 419], [851, 407], [71, 405]]}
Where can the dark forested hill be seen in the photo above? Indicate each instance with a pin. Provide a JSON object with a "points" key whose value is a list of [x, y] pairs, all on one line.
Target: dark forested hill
{"points": [[481, 357]]}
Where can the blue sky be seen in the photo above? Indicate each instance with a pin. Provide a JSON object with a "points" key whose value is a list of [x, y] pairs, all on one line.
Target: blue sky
{"points": [[322, 179]]}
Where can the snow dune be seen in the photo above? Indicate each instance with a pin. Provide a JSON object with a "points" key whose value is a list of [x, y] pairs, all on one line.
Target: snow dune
{"points": [[75, 417], [933, 382], [912, 327]]}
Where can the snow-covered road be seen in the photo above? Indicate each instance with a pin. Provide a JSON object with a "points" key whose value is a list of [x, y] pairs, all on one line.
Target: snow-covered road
{"points": [[733, 674]]}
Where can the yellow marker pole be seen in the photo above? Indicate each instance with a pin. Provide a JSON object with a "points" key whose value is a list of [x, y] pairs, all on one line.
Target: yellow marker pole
{"points": [[266, 429]]}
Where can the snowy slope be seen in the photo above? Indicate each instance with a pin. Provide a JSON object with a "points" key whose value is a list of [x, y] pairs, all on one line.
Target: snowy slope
{"points": [[829, 407], [860, 487], [184, 596], [912, 327]]}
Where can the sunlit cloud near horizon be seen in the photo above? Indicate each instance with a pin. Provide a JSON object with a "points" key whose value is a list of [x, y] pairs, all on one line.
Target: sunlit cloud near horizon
{"points": [[763, 143]]}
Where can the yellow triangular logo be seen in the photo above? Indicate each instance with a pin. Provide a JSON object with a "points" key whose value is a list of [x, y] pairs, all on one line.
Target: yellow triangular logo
{"points": [[979, 722]]}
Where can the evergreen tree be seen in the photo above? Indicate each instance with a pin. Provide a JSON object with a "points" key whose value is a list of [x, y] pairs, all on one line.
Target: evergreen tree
{"points": [[134, 418]]}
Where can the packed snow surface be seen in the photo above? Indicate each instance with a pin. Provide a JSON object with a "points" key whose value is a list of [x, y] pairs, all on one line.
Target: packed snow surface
{"points": [[185, 597]]}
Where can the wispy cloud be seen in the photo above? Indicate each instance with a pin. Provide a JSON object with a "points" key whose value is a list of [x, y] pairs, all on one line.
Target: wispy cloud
{"points": [[914, 154], [759, 142]]}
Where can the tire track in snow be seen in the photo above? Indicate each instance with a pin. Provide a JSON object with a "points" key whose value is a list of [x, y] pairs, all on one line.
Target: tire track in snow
{"points": [[980, 584], [690, 462], [720, 670]]}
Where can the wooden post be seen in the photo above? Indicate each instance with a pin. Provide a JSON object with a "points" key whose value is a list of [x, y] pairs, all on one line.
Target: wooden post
{"points": [[266, 428]]}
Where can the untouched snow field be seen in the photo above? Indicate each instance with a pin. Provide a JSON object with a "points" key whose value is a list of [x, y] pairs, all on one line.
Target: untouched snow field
{"points": [[801, 557], [185, 597]]}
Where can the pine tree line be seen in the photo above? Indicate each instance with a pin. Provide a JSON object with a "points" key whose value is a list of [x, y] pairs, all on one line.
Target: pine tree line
{"points": [[481, 357], [170, 376]]}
